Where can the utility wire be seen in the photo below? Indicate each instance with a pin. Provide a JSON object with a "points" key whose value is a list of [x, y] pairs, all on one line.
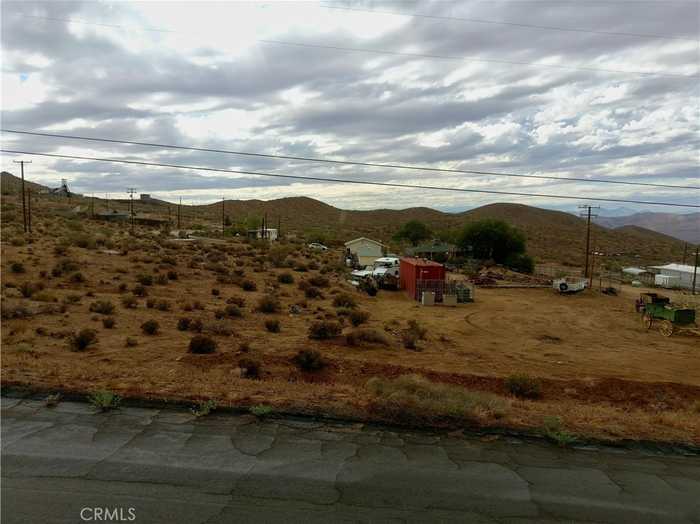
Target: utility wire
{"points": [[512, 24], [346, 162], [395, 53], [347, 181]]}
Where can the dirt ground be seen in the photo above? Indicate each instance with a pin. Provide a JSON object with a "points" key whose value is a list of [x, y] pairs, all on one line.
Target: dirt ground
{"points": [[600, 371]]}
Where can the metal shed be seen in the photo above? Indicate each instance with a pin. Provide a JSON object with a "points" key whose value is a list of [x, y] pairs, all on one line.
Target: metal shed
{"points": [[415, 273]]}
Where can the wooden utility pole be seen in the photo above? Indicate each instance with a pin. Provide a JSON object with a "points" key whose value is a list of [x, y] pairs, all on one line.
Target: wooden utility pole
{"points": [[279, 227], [178, 213], [685, 252], [588, 216], [695, 269], [29, 209], [24, 204], [131, 192]]}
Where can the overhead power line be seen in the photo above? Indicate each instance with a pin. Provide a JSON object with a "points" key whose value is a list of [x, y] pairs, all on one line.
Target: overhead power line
{"points": [[348, 181], [512, 24], [346, 162], [393, 53]]}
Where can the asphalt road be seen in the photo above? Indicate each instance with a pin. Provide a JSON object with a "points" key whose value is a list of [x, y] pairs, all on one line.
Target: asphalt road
{"points": [[69, 464]]}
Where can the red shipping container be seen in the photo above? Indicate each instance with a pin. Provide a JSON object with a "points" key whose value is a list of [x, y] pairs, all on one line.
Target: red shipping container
{"points": [[414, 269]]}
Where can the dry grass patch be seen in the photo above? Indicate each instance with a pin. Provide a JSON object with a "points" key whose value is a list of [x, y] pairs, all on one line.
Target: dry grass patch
{"points": [[414, 399]]}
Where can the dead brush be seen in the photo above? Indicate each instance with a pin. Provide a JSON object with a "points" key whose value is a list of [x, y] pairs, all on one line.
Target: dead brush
{"points": [[413, 399], [366, 335]]}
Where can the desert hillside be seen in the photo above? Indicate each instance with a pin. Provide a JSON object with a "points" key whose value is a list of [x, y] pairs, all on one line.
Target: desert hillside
{"points": [[684, 226], [552, 236]]}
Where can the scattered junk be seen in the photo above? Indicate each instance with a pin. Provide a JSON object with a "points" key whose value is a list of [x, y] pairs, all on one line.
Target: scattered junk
{"points": [[569, 285], [61, 190], [318, 246], [365, 251], [658, 309], [449, 300], [384, 273]]}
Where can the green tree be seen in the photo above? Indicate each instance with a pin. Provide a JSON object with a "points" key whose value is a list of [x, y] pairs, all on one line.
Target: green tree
{"points": [[492, 239], [413, 231]]}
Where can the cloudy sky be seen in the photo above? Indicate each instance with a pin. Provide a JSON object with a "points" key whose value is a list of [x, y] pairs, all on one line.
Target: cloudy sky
{"points": [[449, 88]]}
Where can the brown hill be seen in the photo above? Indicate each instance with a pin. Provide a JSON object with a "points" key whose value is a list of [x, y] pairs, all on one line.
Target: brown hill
{"points": [[685, 226], [10, 184], [552, 236]]}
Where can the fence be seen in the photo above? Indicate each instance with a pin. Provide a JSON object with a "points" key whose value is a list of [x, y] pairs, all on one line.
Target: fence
{"points": [[464, 292]]}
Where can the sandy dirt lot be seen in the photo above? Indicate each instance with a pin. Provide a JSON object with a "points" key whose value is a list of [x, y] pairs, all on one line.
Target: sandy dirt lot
{"points": [[600, 371]]}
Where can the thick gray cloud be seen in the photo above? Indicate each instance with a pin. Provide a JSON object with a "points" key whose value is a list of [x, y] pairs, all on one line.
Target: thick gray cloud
{"points": [[85, 79]]}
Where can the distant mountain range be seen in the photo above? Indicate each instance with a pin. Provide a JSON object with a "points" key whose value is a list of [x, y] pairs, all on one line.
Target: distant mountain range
{"points": [[682, 226], [552, 236]]}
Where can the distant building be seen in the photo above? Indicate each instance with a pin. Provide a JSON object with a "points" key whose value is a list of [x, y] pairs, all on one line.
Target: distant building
{"points": [[62, 190], [440, 251], [674, 275], [365, 250], [263, 233], [638, 273], [145, 196]]}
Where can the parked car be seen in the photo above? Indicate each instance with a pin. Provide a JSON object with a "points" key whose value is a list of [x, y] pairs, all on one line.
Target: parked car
{"points": [[317, 246]]}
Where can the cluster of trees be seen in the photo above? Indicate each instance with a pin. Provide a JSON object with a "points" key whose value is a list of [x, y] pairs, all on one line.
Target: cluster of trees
{"points": [[484, 239]]}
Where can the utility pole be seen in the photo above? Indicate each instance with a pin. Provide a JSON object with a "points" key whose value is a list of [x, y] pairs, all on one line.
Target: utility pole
{"points": [[685, 251], [178, 213], [24, 204], [29, 209], [279, 228], [131, 192], [588, 216], [695, 268]]}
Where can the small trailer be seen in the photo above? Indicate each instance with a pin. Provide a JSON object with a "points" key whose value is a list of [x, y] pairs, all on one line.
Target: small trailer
{"points": [[657, 309], [569, 284]]}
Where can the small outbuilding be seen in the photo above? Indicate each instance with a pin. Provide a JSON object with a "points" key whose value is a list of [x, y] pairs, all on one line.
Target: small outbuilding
{"points": [[418, 274], [366, 250], [675, 275], [265, 233], [638, 273]]}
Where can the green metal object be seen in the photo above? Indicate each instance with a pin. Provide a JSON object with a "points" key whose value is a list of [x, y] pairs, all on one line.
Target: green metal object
{"points": [[666, 311]]}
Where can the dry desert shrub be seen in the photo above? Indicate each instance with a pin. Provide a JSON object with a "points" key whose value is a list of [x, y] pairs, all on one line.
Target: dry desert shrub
{"points": [[370, 336], [309, 360], [325, 330], [413, 399]]}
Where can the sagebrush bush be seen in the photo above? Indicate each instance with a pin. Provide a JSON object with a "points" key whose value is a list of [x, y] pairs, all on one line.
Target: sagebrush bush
{"points": [[273, 325], [309, 360], [150, 327], [417, 330], [139, 290], [371, 336], [313, 292], [344, 300], [523, 386], [82, 340], [325, 329], [319, 281], [233, 311], [249, 285], [358, 317], [202, 344], [145, 280], [129, 302], [17, 267], [163, 305], [285, 278], [103, 307], [183, 324], [249, 368], [269, 304], [237, 301], [108, 322]]}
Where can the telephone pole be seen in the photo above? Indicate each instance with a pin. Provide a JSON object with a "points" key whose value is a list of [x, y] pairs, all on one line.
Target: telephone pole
{"points": [[587, 214], [24, 204], [685, 252], [695, 269], [131, 192], [29, 209]]}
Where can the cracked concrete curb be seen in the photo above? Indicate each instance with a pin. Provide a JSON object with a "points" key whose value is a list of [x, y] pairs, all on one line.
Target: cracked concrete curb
{"points": [[582, 443]]}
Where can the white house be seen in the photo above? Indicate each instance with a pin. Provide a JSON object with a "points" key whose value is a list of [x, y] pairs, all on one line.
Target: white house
{"points": [[366, 250], [266, 233], [675, 275]]}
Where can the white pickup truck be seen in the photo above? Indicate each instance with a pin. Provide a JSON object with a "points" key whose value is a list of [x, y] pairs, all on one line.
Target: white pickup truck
{"points": [[384, 271]]}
